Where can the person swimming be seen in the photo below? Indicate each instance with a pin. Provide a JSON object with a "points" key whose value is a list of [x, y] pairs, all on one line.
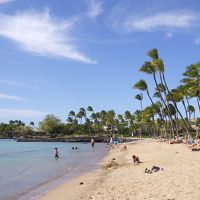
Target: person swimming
{"points": [[75, 148]]}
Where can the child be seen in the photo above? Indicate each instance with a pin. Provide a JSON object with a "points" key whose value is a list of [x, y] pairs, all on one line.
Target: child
{"points": [[92, 142], [56, 153]]}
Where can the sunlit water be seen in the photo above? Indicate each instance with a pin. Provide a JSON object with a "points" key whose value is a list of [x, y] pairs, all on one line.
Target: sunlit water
{"points": [[27, 169]]}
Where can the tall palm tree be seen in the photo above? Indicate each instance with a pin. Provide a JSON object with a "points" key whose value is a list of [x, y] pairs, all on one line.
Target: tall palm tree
{"points": [[127, 116], [110, 119], [80, 116], [191, 110], [90, 109], [140, 98], [158, 63], [83, 111], [149, 113]]}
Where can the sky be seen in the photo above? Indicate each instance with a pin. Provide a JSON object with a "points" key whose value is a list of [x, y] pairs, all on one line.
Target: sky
{"points": [[60, 55]]}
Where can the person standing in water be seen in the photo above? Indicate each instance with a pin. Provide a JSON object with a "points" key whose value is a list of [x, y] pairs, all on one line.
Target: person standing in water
{"points": [[56, 153], [92, 142]]}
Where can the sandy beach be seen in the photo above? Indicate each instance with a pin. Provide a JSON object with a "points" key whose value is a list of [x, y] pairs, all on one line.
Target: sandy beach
{"points": [[124, 180]]}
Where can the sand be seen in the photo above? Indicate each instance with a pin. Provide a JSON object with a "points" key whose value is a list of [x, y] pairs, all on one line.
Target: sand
{"points": [[123, 180]]}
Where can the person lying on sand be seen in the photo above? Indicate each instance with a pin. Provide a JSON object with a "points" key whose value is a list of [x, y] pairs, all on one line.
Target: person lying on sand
{"points": [[136, 159], [196, 144], [197, 148], [177, 140]]}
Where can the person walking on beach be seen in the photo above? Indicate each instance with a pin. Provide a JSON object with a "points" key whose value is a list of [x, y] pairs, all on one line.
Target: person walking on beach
{"points": [[56, 153], [92, 142]]}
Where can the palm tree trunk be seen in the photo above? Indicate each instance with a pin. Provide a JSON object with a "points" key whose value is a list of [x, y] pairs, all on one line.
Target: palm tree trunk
{"points": [[166, 104], [175, 105], [157, 110], [142, 117], [198, 103], [186, 113]]}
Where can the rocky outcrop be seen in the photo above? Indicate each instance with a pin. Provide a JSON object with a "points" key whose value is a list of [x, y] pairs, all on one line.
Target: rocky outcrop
{"points": [[68, 139]]}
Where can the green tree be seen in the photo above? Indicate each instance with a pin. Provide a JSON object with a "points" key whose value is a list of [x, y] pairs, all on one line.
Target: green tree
{"points": [[51, 125]]}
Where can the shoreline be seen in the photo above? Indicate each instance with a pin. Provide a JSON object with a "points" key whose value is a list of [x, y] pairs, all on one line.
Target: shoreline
{"points": [[125, 180]]}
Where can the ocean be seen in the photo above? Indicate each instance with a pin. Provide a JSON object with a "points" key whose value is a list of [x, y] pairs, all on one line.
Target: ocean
{"points": [[28, 169]]}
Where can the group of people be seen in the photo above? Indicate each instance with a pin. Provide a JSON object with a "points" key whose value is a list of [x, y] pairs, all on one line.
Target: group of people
{"points": [[194, 145], [75, 148], [56, 152]]}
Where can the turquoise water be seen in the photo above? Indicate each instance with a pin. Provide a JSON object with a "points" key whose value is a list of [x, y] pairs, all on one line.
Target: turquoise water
{"points": [[25, 168]]}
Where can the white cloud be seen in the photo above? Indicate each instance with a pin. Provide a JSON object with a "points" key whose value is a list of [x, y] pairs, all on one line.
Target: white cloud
{"points": [[20, 113], [165, 20], [41, 34], [10, 97], [5, 1], [95, 8]]}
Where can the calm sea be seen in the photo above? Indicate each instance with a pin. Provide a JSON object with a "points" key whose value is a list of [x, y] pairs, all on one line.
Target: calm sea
{"points": [[29, 169]]}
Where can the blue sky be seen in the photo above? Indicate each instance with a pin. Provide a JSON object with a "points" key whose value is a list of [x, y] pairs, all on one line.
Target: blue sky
{"points": [[60, 55]]}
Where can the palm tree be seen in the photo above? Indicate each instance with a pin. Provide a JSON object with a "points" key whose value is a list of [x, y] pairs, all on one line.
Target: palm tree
{"points": [[175, 97], [158, 63], [80, 116], [72, 114], [69, 119], [32, 124], [90, 109], [140, 98], [149, 113], [120, 118], [11, 122], [83, 111], [141, 85], [110, 118], [103, 118], [192, 81], [72, 121], [92, 116], [191, 110]]}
